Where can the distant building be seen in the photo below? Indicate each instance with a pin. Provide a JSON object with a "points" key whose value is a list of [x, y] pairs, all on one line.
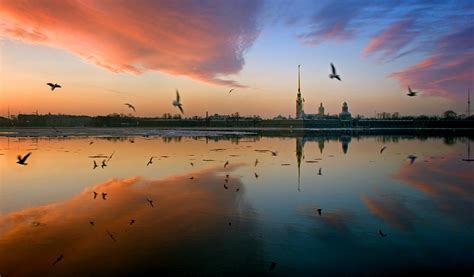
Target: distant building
{"points": [[321, 110], [299, 100], [345, 114]]}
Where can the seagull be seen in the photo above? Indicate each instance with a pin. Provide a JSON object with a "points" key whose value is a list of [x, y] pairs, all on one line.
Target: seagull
{"points": [[232, 89], [132, 140], [22, 160], [272, 266], [382, 233], [104, 195], [191, 178], [411, 92], [95, 194], [130, 106], [111, 236], [191, 164], [319, 211], [177, 102], [132, 221], [320, 172], [95, 165], [383, 149], [58, 259], [230, 223], [226, 187], [274, 153], [256, 175], [150, 201], [53, 86], [150, 161], [91, 142], [256, 162], [226, 164], [412, 158], [334, 74], [91, 223], [103, 164]]}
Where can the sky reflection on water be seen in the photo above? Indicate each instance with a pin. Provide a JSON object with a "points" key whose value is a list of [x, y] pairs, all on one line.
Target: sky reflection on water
{"points": [[202, 222]]}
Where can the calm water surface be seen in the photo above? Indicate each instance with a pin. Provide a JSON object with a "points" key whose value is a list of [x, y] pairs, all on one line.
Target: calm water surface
{"points": [[203, 221]]}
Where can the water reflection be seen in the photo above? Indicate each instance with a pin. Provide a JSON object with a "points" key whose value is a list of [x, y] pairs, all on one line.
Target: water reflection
{"points": [[205, 222], [173, 236]]}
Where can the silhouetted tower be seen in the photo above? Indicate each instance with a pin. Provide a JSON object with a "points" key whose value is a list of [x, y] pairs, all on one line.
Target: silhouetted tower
{"points": [[468, 102], [299, 100]]}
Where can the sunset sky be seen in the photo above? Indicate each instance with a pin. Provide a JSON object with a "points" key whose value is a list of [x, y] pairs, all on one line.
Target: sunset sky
{"points": [[106, 53]]}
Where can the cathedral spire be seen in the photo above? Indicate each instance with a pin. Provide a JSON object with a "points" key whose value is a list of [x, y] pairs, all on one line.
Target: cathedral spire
{"points": [[299, 90]]}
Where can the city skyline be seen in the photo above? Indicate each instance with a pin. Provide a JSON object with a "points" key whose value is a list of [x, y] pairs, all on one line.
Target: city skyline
{"points": [[106, 56]]}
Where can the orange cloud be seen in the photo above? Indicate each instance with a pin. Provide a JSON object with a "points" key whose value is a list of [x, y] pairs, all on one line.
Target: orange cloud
{"points": [[199, 39]]}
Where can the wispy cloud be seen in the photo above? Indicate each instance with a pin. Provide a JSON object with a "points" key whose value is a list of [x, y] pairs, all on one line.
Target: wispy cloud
{"points": [[447, 70], [203, 40]]}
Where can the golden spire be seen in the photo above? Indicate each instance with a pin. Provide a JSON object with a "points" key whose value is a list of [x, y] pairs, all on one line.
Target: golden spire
{"points": [[299, 78]]}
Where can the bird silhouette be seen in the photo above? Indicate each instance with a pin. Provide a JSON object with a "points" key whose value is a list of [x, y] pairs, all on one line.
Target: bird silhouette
{"points": [[411, 93], [150, 161], [412, 158], [131, 140], [130, 106], [91, 223], [103, 164], [333, 73], [232, 89], [95, 165], [382, 233], [274, 153], [383, 149], [111, 235], [91, 142], [22, 160], [53, 86], [256, 162], [132, 221], [272, 266], [237, 190], [192, 164], [191, 178], [104, 195], [230, 224], [95, 194], [256, 175], [110, 157], [150, 201], [319, 211], [226, 164], [177, 102], [58, 259], [225, 186], [320, 171]]}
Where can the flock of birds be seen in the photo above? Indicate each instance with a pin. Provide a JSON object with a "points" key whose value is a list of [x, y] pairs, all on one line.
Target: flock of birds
{"points": [[21, 160], [177, 102]]}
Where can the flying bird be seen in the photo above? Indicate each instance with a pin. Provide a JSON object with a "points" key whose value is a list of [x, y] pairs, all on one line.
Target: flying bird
{"points": [[104, 195], [111, 236], [232, 89], [22, 160], [226, 164], [411, 92], [319, 211], [256, 175], [150, 201], [130, 106], [91, 223], [191, 164], [150, 161], [132, 221], [177, 102], [95, 194], [53, 86], [103, 164], [320, 171], [191, 178], [95, 165], [272, 266], [256, 162], [230, 223], [110, 157], [225, 186], [412, 158], [382, 233], [58, 259], [334, 74], [383, 149]]}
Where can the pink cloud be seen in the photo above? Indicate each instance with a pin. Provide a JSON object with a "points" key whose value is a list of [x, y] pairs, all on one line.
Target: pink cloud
{"points": [[202, 40], [448, 70], [391, 40]]}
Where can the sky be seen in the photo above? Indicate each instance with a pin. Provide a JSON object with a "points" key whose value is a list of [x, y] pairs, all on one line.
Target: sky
{"points": [[106, 53]]}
